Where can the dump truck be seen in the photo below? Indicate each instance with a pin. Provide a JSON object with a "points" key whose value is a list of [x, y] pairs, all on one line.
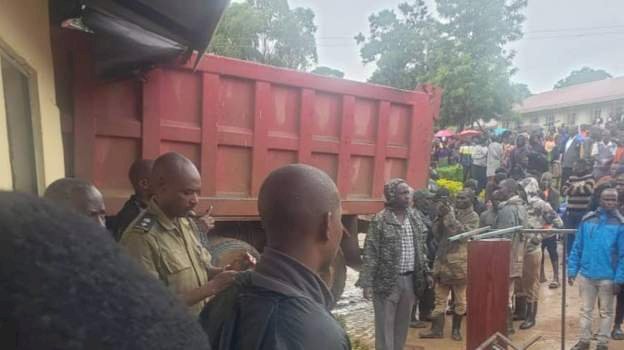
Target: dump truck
{"points": [[237, 121]]}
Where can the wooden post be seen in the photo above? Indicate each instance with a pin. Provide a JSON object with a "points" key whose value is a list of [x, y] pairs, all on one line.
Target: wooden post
{"points": [[488, 289]]}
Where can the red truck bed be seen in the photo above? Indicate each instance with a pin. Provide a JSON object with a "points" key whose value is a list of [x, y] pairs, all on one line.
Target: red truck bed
{"points": [[239, 120]]}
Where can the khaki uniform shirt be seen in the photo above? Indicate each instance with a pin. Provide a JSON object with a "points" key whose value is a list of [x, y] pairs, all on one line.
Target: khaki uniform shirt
{"points": [[169, 250]]}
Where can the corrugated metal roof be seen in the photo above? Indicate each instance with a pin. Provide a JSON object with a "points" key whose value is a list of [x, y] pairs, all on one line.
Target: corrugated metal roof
{"points": [[582, 94]]}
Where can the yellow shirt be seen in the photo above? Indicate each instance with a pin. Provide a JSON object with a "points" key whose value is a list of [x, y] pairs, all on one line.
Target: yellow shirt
{"points": [[169, 250]]}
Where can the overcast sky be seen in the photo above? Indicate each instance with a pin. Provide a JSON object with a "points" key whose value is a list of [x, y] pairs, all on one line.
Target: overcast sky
{"points": [[561, 35]]}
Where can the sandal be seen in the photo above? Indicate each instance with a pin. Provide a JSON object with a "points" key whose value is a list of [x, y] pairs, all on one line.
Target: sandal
{"points": [[554, 285]]}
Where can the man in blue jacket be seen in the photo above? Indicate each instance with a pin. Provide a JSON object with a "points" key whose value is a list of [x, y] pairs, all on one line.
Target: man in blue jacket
{"points": [[598, 256]]}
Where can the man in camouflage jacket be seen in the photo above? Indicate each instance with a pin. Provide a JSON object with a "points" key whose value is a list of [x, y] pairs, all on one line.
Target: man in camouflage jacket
{"points": [[450, 267], [395, 268]]}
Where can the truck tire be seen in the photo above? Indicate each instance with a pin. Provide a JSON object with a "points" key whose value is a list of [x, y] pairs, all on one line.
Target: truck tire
{"points": [[226, 251], [336, 277]]}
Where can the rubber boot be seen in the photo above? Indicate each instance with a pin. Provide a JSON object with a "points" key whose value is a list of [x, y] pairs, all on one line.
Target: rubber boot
{"points": [[521, 309], [542, 277], [510, 329], [530, 319], [617, 333], [437, 328], [581, 345], [456, 328]]}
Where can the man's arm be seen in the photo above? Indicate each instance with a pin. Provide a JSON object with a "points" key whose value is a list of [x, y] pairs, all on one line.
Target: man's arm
{"points": [[619, 272], [213, 287], [370, 255], [574, 260]]}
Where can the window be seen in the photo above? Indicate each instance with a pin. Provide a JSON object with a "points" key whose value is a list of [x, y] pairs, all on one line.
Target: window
{"points": [[549, 120], [17, 105], [596, 115], [572, 119]]}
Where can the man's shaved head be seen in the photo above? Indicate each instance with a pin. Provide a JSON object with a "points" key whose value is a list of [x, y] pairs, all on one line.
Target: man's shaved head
{"points": [[79, 196], [176, 184], [298, 204], [139, 175]]}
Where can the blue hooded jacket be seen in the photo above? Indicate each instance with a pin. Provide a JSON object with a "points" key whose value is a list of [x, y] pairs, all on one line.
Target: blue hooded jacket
{"points": [[598, 251]]}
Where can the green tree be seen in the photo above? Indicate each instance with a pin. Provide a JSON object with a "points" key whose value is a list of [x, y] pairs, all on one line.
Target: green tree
{"points": [[462, 51], [269, 32], [581, 76], [327, 71]]}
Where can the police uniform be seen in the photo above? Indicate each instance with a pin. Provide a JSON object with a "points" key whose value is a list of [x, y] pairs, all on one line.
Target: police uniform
{"points": [[169, 250]]}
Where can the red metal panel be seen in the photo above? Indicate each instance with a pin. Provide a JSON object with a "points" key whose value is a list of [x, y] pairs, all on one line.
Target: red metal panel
{"points": [[398, 125], [305, 124], [361, 179], [152, 113], [181, 92], [262, 112], [419, 149], [488, 290], [380, 152], [113, 157], [211, 108], [344, 158], [234, 171], [238, 121], [326, 119], [366, 121], [84, 121], [117, 100]]}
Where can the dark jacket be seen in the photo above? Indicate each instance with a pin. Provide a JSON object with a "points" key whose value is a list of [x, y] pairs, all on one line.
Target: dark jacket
{"points": [[282, 305], [131, 209], [382, 251]]}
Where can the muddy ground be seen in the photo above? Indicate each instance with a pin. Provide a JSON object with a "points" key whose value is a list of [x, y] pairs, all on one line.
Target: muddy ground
{"points": [[358, 315]]}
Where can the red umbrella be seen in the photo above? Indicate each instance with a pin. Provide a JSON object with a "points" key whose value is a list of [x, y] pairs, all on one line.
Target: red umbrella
{"points": [[444, 133], [470, 132]]}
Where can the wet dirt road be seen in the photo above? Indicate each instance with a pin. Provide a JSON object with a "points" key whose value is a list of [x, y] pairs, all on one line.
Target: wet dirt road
{"points": [[358, 315]]}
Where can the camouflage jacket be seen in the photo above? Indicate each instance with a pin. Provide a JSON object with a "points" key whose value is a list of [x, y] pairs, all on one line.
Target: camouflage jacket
{"points": [[382, 251], [451, 262], [512, 213]]}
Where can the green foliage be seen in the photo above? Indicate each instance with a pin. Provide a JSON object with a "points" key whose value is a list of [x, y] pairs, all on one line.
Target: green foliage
{"points": [[327, 71], [452, 186], [451, 172], [581, 76], [462, 51], [267, 31]]}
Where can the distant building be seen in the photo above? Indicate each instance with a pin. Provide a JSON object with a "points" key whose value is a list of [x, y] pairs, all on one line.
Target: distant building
{"points": [[589, 103]]}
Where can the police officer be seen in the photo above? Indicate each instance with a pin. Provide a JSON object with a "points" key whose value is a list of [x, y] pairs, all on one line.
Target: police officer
{"points": [[165, 242], [139, 175]]}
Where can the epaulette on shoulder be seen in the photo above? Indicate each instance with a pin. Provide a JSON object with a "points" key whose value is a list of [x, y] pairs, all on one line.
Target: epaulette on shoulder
{"points": [[589, 215], [145, 222]]}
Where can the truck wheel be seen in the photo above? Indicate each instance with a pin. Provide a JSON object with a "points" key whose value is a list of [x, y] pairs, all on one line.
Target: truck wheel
{"points": [[229, 251], [336, 277]]}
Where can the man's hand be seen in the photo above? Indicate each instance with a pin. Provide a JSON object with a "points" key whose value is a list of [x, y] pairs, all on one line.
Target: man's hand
{"points": [[368, 293], [617, 288], [208, 221], [221, 281], [570, 281], [430, 282]]}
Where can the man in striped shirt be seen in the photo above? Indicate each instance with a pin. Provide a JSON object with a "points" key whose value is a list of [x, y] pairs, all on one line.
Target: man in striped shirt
{"points": [[579, 188]]}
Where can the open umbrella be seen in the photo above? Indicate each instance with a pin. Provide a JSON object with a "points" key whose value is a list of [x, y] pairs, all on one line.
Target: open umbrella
{"points": [[470, 132], [444, 133], [499, 131]]}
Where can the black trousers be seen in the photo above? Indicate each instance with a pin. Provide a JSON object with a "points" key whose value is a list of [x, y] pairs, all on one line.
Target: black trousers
{"points": [[619, 309], [550, 244]]}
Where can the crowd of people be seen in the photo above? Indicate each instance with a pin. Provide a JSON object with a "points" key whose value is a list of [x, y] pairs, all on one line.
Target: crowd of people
{"points": [[412, 272], [522, 178]]}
